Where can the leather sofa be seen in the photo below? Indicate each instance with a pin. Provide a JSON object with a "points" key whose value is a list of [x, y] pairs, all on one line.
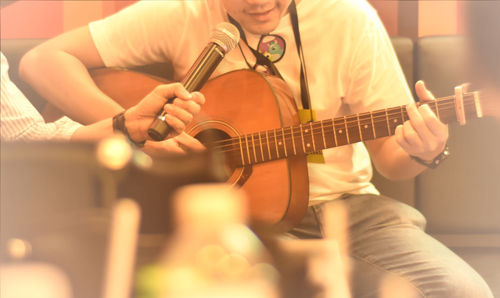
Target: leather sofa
{"points": [[461, 198]]}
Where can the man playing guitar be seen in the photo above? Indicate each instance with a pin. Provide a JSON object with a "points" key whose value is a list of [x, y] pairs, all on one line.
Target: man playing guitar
{"points": [[337, 59]]}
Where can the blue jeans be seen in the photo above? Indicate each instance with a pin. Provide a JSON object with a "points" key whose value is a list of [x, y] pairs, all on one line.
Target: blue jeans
{"points": [[386, 237]]}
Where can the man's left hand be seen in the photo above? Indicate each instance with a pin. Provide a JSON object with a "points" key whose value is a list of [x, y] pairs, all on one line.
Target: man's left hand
{"points": [[423, 135]]}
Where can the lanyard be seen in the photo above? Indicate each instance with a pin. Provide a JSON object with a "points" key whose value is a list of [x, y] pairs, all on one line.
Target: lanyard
{"points": [[262, 60]]}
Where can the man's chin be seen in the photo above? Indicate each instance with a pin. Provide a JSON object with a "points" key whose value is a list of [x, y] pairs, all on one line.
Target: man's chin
{"points": [[260, 29]]}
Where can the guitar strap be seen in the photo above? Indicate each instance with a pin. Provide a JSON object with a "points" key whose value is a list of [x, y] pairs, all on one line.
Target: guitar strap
{"points": [[263, 60], [306, 114], [260, 58]]}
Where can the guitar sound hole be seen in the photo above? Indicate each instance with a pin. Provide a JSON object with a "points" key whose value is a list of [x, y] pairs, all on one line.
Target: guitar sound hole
{"points": [[209, 137]]}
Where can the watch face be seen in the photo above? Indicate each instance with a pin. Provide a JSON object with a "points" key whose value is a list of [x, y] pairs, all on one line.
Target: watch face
{"points": [[272, 46]]}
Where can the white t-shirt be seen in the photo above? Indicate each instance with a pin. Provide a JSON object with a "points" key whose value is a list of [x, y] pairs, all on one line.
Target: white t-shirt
{"points": [[350, 64]]}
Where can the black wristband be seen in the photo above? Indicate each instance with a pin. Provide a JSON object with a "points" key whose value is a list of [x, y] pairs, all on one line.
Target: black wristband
{"points": [[119, 126], [436, 161]]}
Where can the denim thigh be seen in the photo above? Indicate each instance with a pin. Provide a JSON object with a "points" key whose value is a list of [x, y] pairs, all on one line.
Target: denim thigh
{"points": [[387, 242]]}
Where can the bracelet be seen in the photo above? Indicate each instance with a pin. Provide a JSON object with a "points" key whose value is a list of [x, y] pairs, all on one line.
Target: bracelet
{"points": [[119, 126], [436, 161]]}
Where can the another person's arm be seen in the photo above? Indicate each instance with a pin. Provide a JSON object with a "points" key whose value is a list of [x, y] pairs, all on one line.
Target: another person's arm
{"points": [[21, 121], [139, 117]]}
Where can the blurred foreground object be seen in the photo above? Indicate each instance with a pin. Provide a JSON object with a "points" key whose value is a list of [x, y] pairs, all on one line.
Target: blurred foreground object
{"points": [[212, 252], [33, 280], [57, 203]]}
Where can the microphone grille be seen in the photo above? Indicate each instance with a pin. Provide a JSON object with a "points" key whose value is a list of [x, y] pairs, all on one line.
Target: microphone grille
{"points": [[226, 35]]}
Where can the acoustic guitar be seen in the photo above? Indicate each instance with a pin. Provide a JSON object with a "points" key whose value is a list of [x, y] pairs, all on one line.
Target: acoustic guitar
{"points": [[255, 123]]}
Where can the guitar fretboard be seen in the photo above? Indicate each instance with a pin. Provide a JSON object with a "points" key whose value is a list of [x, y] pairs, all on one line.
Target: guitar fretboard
{"points": [[314, 136]]}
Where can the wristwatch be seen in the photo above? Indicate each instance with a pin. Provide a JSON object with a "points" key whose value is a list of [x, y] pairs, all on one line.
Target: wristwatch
{"points": [[119, 126], [436, 161]]}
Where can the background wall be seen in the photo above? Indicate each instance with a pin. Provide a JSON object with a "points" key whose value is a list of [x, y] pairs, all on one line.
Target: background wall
{"points": [[47, 18]]}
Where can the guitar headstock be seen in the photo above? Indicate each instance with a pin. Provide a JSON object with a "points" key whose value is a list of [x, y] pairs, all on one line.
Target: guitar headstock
{"points": [[490, 102]]}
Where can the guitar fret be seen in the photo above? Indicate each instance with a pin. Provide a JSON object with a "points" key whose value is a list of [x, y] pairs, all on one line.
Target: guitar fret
{"points": [[268, 147], [302, 136], [373, 126], [380, 124], [261, 149], [346, 132], [341, 134], [276, 144], [353, 129], [334, 133], [366, 120], [312, 136], [396, 119], [254, 149], [248, 150], [359, 128], [436, 106], [323, 133], [284, 141], [402, 114], [241, 150], [308, 145], [388, 124], [293, 141]]}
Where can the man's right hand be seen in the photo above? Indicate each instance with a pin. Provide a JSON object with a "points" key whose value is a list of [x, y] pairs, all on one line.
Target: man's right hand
{"points": [[181, 144], [179, 113]]}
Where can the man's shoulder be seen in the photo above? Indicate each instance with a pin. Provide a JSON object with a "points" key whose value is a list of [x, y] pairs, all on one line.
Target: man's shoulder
{"points": [[350, 14], [178, 7], [346, 8]]}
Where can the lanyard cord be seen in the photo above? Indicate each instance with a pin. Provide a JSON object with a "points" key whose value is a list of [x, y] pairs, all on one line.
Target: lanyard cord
{"points": [[263, 60], [304, 89]]}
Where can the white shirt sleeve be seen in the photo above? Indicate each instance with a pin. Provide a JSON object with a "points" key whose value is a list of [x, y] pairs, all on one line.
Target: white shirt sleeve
{"points": [[20, 120], [377, 80]]}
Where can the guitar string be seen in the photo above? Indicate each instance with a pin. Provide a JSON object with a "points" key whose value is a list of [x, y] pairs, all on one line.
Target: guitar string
{"points": [[443, 104], [316, 130], [269, 154], [236, 148], [334, 123], [353, 119]]}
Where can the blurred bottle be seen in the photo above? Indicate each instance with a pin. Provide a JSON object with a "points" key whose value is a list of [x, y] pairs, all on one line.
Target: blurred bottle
{"points": [[212, 252]]}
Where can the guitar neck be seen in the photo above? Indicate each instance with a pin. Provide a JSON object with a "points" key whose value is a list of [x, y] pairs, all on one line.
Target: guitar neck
{"points": [[318, 135]]}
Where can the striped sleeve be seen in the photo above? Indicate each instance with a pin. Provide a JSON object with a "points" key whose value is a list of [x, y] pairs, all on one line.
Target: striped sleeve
{"points": [[20, 120]]}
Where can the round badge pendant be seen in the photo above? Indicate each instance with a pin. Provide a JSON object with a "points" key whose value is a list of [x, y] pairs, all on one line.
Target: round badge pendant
{"points": [[272, 47]]}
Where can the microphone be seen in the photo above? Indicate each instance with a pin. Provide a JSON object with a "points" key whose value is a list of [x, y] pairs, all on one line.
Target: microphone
{"points": [[224, 38]]}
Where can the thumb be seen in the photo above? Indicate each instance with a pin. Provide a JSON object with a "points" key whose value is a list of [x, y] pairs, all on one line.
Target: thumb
{"points": [[423, 93]]}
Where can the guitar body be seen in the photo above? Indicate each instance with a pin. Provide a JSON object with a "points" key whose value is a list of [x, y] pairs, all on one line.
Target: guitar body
{"points": [[244, 102], [237, 103]]}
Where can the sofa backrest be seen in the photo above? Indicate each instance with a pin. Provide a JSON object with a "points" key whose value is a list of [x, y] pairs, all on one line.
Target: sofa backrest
{"points": [[463, 193], [401, 190], [14, 49]]}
